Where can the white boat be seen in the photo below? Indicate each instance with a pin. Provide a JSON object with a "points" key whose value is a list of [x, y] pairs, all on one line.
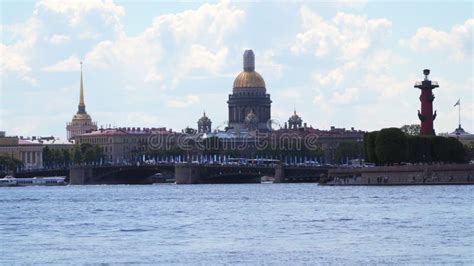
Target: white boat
{"points": [[10, 181]]}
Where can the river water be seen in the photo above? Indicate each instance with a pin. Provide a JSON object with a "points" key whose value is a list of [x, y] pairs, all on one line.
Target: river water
{"points": [[243, 224]]}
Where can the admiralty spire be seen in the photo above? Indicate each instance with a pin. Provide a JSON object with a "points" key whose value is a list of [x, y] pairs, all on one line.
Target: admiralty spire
{"points": [[81, 122]]}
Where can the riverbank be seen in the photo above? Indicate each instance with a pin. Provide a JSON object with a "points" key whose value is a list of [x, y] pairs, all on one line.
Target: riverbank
{"points": [[442, 174]]}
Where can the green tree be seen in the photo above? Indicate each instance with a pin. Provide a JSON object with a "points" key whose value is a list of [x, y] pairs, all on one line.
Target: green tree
{"points": [[58, 159], [77, 154], [9, 163], [470, 148], [85, 146], [412, 130], [370, 144], [457, 152], [348, 149], [390, 146], [439, 149], [89, 156], [66, 157], [47, 157], [418, 149], [98, 153]]}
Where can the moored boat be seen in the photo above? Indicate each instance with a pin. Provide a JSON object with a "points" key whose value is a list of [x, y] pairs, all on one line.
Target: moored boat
{"points": [[10, 181]]}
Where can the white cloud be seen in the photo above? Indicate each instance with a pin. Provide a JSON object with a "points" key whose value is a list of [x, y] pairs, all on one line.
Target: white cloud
{"points": [[76, 11], [188, 101], [13, 60], [292, 93], [457, 42], [268, 65], [200, 57], [153, 75], [332, 78], [352, 4], [321, 102], [16, 57], [59, 39], [69, 64], [349, 95], [32, 81], [87, 35], [347, 36], [211, 22], [198, 34], [140, 119]]}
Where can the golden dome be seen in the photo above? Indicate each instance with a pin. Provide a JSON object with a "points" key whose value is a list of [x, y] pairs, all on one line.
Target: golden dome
{"points": [[249, 79], [79, 116]]}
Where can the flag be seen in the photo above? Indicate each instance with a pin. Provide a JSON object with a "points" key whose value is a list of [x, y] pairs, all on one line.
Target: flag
{"points": [[457, 103]]}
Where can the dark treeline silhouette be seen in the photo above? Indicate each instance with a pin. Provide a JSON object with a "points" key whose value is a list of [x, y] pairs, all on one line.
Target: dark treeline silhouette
{"points": [[392, 146]]}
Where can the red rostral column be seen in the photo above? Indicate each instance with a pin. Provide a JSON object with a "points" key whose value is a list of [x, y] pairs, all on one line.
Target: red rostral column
{"points": [[426, 98]]}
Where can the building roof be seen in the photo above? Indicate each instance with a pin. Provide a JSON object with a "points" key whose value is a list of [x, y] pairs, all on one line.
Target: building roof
{"points": [[27, 142], [127, 131], [461, 134], [249, 79], [332, 133]]}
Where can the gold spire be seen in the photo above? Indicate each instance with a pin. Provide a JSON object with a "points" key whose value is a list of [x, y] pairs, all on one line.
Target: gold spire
{"points": [[81, 97]]}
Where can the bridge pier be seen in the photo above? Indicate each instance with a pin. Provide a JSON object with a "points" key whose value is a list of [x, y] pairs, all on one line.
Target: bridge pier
{"points": [[100, 175], [279, 173], [187, 173], [81, 175]]}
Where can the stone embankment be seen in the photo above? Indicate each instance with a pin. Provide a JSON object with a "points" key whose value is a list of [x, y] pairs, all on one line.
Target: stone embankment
{"points": [[442, 174]]}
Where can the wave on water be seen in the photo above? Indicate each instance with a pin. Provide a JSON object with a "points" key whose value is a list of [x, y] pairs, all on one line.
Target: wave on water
{"points": [[134, 230], [19, 200]]}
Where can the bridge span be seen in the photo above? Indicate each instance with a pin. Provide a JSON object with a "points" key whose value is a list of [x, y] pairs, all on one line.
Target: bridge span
{"points": [[184, 173], [219, 174]]}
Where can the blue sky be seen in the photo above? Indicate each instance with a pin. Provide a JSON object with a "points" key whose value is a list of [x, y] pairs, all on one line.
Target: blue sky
{"points": [[151, 64]]}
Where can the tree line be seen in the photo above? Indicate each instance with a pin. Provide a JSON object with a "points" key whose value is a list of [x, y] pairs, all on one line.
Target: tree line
{"points": [[84, 153], [9, 163], [391, 146]]}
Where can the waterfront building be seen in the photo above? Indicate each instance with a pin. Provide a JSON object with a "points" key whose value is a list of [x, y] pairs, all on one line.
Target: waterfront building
{"points": [[247, 142], [29, 153], [427, 97], [123, 144], [249, 104], [326, 140], [81, 122], [204, 124]]}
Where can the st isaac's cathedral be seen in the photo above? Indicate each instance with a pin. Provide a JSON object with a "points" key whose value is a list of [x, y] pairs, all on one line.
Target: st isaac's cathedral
{"points": [[249, 103]]}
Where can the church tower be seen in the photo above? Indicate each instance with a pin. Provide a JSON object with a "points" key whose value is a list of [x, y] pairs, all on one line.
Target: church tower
{"points": [[249, 104], [295, 121], [204, 124], [81, 122]]}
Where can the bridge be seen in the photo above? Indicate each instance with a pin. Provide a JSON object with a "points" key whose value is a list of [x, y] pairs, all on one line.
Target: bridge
{"points": [[183, 173], [119, 174], [211, 174]]}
